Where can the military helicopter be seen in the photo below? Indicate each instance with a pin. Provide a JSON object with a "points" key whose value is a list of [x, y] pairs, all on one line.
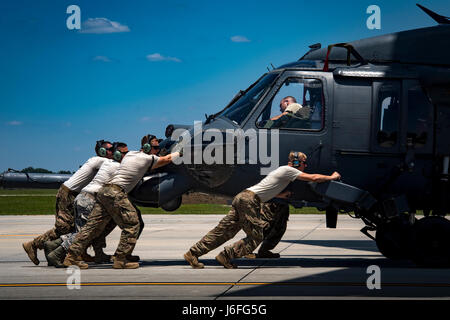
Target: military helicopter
{"points": [[377, 110]]}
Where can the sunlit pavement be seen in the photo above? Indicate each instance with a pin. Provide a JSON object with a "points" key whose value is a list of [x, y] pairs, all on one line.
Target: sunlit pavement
{"points": [[315, 263]]}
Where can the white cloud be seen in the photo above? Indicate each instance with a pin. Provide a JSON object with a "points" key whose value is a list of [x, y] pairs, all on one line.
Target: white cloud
{"points": [[15, 123], [239, 39], [102, 25], [101, 58], [159, 57]]}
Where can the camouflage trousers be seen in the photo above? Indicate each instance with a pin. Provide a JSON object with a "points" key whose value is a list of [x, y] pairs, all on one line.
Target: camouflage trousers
{"points": [[83, 206], [64, 217], [245, 214], [280, 214], [112, 203]]}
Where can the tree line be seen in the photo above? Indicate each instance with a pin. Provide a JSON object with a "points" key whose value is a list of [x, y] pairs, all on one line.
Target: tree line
{"points": [[42, 170]]}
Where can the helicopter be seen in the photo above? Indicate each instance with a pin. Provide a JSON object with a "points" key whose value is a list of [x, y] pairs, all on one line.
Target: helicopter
{"points": [[377, 110]]}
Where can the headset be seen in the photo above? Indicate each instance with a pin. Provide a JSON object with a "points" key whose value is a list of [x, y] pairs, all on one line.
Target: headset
{"points": [[99, 149], [117, 155], [147, 147], [296, 160]]}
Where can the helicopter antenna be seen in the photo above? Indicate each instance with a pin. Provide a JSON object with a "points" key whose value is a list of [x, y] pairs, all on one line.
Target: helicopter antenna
{"points": [[312, 48], [273, 68], [436, 17], [268, 69]]}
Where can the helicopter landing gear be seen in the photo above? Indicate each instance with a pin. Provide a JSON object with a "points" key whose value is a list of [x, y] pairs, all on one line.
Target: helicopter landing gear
{"points": [[394, 238], [432, 242]]}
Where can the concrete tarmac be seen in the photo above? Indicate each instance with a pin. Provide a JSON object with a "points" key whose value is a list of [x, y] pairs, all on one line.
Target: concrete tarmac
{"points": [[315, 263]]}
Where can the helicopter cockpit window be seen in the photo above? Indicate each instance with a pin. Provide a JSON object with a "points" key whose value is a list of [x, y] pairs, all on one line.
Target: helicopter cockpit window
{"points": [[419, 117], [242, 107], [387, 135], [303, 111]]}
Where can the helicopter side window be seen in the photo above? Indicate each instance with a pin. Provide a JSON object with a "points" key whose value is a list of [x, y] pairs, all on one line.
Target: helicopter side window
{"points": [[419, 117], [308, 93], [387, 135]]}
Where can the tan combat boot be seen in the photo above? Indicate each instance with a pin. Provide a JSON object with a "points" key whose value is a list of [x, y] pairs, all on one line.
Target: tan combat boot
{"points": [[31, 251], [121, 263], [193, 260], [71, 260], [223, 259]]}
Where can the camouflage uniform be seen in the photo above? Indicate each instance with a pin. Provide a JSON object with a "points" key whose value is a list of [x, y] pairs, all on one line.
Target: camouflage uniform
{"points": [[245, 214], [279, 215], [64, 217], [112, 203], [141, 221], [83, 206]]}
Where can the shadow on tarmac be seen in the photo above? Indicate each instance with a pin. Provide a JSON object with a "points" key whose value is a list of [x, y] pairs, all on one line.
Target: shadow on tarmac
{"points": [[348, 283], [363, 245]]}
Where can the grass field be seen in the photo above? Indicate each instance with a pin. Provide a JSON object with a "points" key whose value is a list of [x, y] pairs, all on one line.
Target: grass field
{"points": [[42, 201]]}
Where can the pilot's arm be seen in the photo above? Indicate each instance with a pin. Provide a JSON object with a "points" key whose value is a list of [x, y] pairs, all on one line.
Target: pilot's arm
{"points": [[318, 177], [293, 108], [279, 116]]}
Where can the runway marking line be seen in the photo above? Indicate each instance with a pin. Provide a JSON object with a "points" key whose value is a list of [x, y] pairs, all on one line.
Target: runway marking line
{"points": [[101, 284], [18, 235]]}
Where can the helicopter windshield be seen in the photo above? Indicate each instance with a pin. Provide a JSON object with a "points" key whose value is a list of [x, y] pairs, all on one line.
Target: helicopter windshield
{"points": [[239, 110]]}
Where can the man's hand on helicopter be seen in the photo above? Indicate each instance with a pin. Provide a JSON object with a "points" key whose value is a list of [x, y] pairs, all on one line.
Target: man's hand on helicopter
{"points": [[336, 176]]}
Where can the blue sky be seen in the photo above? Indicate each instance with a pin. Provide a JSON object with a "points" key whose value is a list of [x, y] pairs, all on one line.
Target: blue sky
{"points": [[166, 62]]}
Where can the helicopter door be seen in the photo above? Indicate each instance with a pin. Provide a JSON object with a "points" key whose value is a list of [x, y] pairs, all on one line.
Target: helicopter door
{"points": [[301, 125]]}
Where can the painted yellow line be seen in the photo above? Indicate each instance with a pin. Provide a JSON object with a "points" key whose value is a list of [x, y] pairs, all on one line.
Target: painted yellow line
{"points": [[19, 235], [93, 284]]}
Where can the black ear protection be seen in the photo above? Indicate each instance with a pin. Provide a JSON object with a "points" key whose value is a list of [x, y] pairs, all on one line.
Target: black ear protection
{"points": [[101, 151], [296, 160], [147, 147]]}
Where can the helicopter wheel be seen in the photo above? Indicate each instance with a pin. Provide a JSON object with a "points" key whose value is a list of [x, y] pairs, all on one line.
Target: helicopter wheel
{"points": [[172, 205], [394, 239], [432, 242]]}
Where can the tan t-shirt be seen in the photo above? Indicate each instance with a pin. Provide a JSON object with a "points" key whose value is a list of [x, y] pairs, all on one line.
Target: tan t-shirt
{"points": [[132, 168], [275, 182], [85, 174]]}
